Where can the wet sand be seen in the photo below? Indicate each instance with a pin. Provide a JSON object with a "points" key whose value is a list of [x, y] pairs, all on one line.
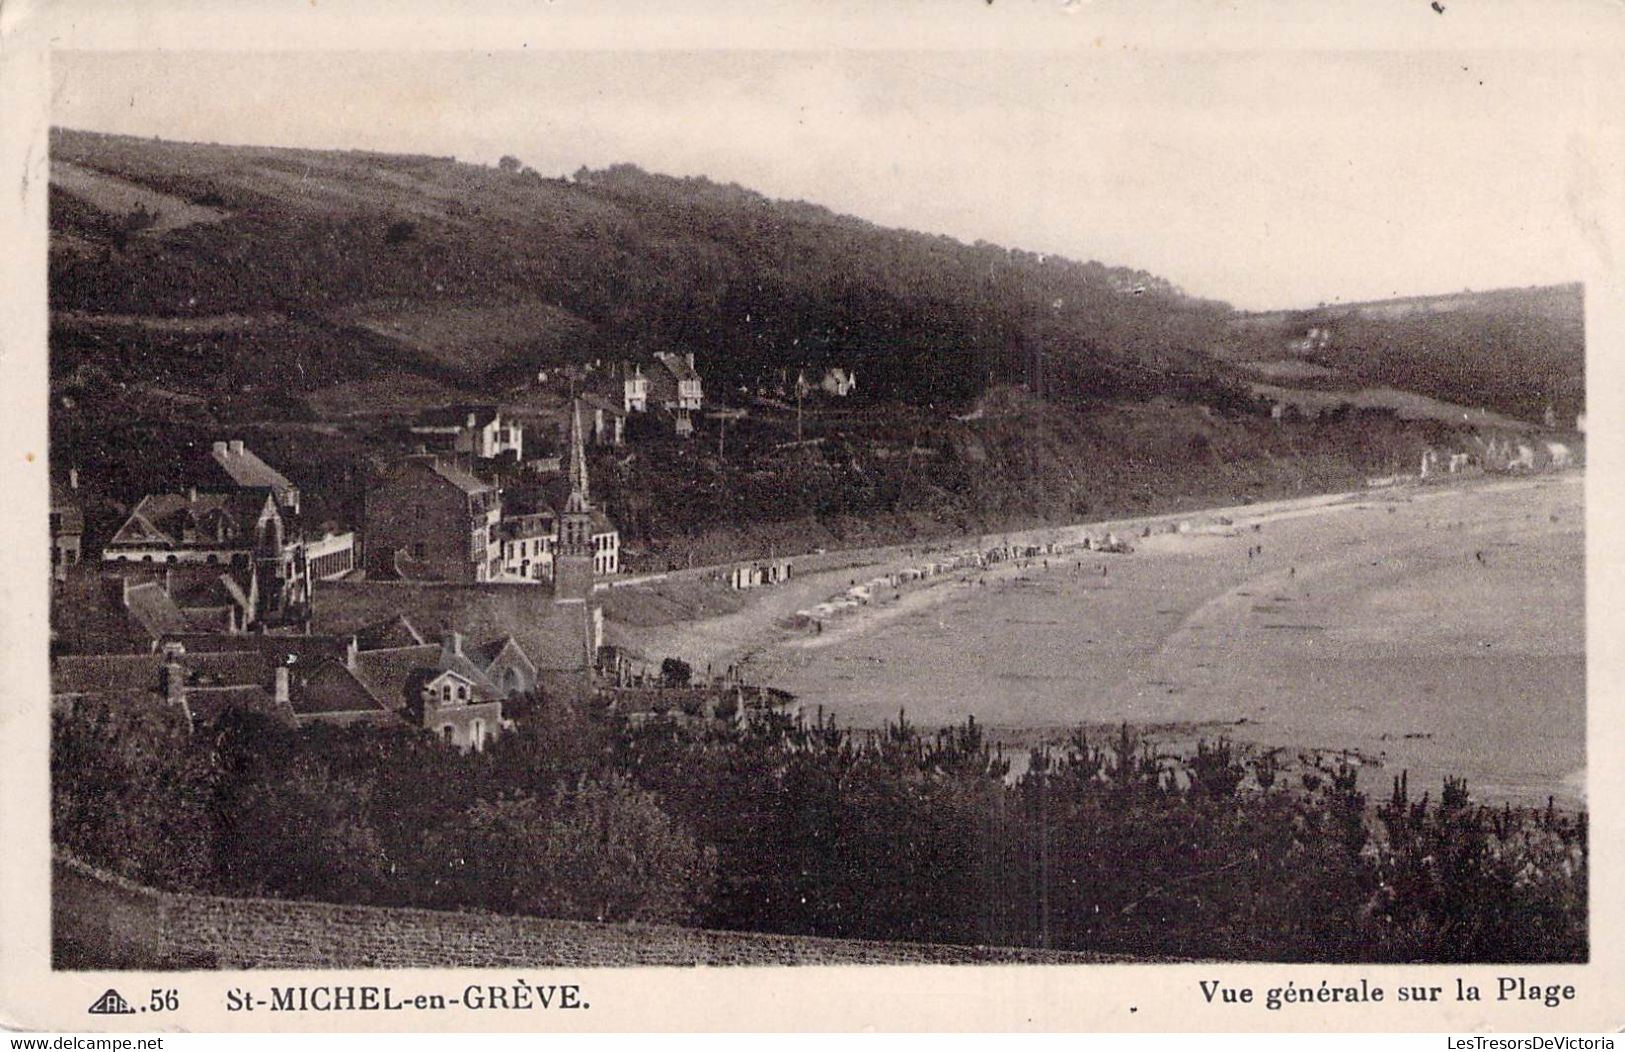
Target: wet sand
{"points": [[1438, 630]]}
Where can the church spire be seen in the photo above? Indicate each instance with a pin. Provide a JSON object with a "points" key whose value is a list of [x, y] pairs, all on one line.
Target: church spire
{"points": [[579, 499], [574, 560]]}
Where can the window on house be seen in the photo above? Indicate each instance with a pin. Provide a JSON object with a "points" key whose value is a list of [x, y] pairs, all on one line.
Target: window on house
{"points": [[462, 693], [445, 692], [419, 550], [478, 735], [448, 733]]}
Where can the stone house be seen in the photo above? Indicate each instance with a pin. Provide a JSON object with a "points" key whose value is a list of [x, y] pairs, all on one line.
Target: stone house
{"points": [[241, 468], [432, 521], [527, 545], [620, 384], [675, 386]]}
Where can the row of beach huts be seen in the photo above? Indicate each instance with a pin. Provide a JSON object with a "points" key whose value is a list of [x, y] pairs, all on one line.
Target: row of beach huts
{"points": [[1494, 455], [969, 560]]}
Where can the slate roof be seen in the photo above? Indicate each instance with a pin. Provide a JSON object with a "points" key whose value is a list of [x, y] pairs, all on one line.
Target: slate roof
{"points": [[615, 407], [395, 631], [209, 702], [331, 688], [678, 366], [245, 468], [385, 673], [160, 517], [207, 587], [231, 668], [525, 527], [154, 610], [106, 674], [460, 478], [553, 635], [395, 676]]}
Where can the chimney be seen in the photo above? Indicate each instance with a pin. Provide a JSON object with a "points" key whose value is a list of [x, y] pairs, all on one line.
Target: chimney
{"points": [[73, 476], [690, 357], [236, 447], [471, 419], [351, 649], [116, 590], [282, 686], [219, 449], [174, 683], [451, 644], [191, 494]]}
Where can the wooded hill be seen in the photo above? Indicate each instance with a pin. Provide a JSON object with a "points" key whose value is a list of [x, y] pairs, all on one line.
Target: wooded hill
{"points": [[227, 272], [274, 294]]}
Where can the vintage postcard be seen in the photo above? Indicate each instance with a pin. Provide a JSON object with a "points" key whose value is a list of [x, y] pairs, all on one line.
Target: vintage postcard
{"points": [[1021, 515]]}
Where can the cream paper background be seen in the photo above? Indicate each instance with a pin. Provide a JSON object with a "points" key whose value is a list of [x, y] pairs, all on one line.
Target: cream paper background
{"points": [[1163, 997]]}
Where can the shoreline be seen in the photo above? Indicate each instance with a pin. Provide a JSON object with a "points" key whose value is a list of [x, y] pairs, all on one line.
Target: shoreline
{"points": [[733, 638], [1430, 627]]}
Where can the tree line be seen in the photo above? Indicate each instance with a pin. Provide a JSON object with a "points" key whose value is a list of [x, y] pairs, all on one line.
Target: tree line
{"points": [[797, 826]]}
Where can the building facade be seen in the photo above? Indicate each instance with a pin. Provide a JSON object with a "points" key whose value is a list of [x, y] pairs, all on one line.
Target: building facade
{"points": [[478, 431], [192, 527], [67, 526], [429, 520]]}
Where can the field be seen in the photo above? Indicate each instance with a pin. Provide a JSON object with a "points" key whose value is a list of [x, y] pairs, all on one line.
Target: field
{"points": [[1425, 629]]}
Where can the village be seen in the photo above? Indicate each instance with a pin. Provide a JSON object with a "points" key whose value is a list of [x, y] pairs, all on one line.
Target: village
{"points": [[473, 588], [446, 608]]}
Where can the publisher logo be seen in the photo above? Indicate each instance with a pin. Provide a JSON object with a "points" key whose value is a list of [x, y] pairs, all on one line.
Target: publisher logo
{"points": [[111, 1003]]}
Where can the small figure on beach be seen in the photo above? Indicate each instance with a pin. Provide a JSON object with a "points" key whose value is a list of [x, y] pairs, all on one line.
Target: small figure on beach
{"points": [[1292, 571]]}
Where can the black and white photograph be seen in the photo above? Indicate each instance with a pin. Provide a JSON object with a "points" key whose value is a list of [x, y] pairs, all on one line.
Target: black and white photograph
{"points": [[804, 505]]}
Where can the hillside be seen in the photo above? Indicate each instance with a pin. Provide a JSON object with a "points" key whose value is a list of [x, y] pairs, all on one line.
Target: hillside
{"points": [[308, 301], [293, 271], [1511, 351]]}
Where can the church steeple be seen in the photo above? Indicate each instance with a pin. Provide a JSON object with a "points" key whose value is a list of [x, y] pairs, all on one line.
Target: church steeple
{"points": [[573, 557], [578, 461]]}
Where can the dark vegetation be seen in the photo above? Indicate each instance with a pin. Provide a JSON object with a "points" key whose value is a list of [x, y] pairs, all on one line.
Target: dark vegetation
{"points": [[642, 263], [786, 826], [1091, 389], [1512, 351]]}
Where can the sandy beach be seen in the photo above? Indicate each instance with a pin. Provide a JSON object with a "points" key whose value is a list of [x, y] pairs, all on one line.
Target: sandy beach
{"points": [[1436, 629]]}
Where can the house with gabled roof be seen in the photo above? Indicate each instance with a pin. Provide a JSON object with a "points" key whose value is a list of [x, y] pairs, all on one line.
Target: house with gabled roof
{"points": [[606, 419], [132, 609], [675, 386], [245, 470], [445, 688], [231, 528]]}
